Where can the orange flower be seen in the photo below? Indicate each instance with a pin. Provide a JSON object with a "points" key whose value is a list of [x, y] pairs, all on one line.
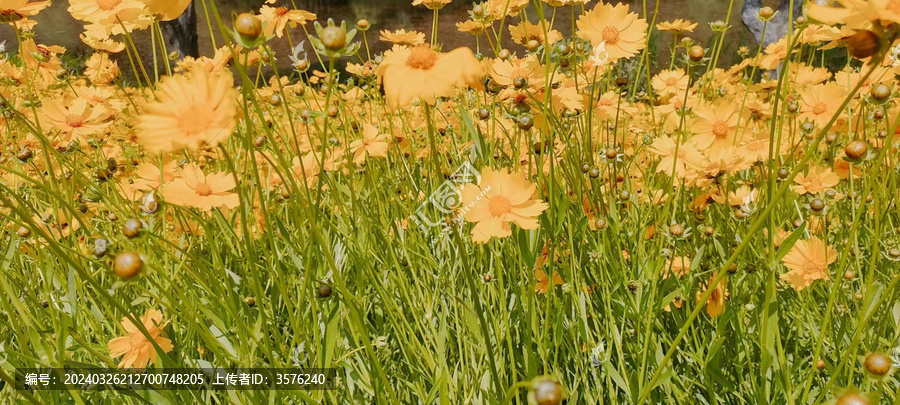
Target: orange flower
{"points": [[856, 12], [167, 9], [101, 69], [373, 144], [715, 305], [622, 33], [821, 102], [191, 110], [402, 37], [105, 11], [715, 126], [808, 261], [498, 199], [526, 31], [688, 156], [201, 191], [137, 350], [12, 10], [542, 284], [817, 180], [678, 265], [677, 27], [278, 18], [425, 74], [78, 120], [670, 82]]}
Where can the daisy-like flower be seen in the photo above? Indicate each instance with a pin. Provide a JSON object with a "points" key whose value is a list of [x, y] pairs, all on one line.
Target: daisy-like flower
{"points": [[499, 199], [373, 143], [138, 352], [497, 9], [542, 282], [192, 109], [816, 181], [808, 261], [670, 82], [13, 10], [77, 120], [679, 266], [856, 12], [431, 4], [715, 305], [198, 190], [101, 69], [278, 18], [425, 74], [167, 9], [526, 31], [403, 37], [678, 26], [819, 103], [105, 11], [715, 126], [688, 156], [623, 33]]}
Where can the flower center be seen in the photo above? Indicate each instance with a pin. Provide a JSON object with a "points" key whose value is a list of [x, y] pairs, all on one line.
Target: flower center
{"points": [[203, 189], [671, 82], [195, 119], [74, 121], [610, 35], [281, 11], [820, 108], [422, 58], [720, 129], [500, 205], [107, 5], [137, 340]]}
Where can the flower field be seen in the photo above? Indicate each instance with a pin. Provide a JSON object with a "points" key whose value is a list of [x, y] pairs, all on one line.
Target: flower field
{"points": [[562, 212]]}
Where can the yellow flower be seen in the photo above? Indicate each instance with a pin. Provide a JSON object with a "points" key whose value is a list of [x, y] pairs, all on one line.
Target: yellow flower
{"points": [[191, 110], [856, 12], [471, 27], [498, 199], [671, 82], [679, 266], [198, 190], [431, 4], [715, 305], [497, 9], [808, 261], [715, 126], [542, 282], [278, 18], [818, 180], [373, 144], [688, 156], [105, 11], [622, 33], [820, 103], [678, 26], [77, 120], [12, 10], [526, 31], [137, 350], [100, 69], [167, 9], [402, 37], [425, 74]]}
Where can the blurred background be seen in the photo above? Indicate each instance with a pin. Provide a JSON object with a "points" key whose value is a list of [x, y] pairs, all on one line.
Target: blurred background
{"points": [[57, 27]]}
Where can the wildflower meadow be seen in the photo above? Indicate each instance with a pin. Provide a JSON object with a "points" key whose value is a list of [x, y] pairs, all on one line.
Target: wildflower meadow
{"points": [[587, 204]]}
